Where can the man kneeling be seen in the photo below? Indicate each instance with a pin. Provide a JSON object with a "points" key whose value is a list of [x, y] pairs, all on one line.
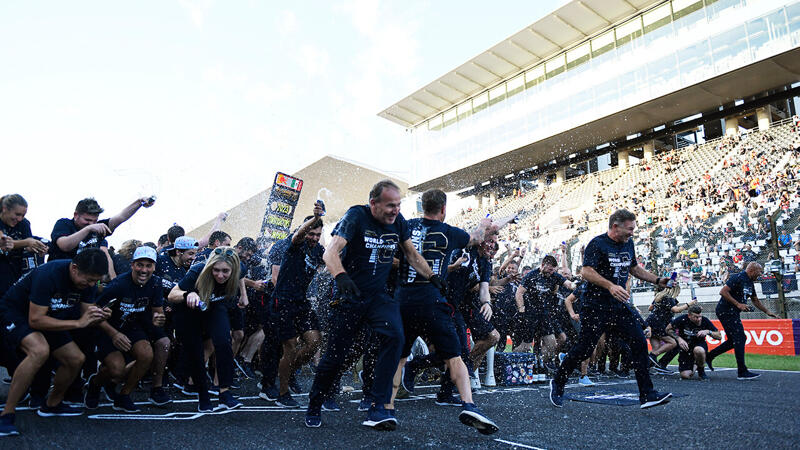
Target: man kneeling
{"points": [[690, 331]]}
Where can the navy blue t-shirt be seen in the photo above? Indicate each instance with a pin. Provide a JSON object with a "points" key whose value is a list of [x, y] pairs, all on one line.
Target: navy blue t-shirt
{"points": [[688, 330], [476, 269], [579, 293], [662, 312], [368, 255], [168, 272], [47, 285], [434, 240], [742, 289], [187, 283], [541, 291], [506, 301], [202, 255], [133, 300], [611, 260], [66, 227], [13, 264], [276, 254], [300, 264]]}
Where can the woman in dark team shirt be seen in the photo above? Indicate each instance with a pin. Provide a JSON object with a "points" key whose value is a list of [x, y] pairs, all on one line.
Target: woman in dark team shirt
{"points": [[24, 247], [664, 307], [134, 299], [200, 308]]}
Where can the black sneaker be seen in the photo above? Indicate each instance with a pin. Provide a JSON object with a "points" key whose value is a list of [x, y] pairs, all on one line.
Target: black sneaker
{"points": [[409, 378], [473, 417], [269, 393], [313, 417], [448, 400], [701, 374], [653, 360], [379, 418], [124, 403], [294, 386], [60, 410], [7, 427], [556, 394], [110, 389], [748, 376], [204, 404], [92, 398], [228, 401], [708, 363], [655, 398], [189, 390], [331, 405], [214, 390], [159, 396], [247, 369], [36, 402], [365, 404], [287, 401]]}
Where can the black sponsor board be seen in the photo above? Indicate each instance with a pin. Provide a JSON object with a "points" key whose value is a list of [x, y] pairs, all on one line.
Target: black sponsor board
{"points": [[282, 202]]}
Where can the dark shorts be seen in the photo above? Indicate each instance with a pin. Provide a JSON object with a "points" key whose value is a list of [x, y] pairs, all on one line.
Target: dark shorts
{"points": [[236, 316], [658, 328], [479, 327], [134, 332], [153, 332], [433, 321], [534, 326], [255, 313], [686, 359], [294, 319], [16, 328], [555, 324]]}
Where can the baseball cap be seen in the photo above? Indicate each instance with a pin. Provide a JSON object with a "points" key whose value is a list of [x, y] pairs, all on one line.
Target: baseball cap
{"points": [[144, 252], [184, 243]]}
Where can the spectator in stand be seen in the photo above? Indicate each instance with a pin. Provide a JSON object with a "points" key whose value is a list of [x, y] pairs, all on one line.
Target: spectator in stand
{"points": [[784, 240], [748, 255], [696, 271]]}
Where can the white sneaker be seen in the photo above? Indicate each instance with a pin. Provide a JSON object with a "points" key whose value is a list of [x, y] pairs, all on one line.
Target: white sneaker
{"points": [[489, 380], [585, 381], [475, 383], [561, 357]]}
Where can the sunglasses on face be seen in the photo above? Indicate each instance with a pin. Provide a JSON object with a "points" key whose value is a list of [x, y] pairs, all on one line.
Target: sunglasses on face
{"points": [[219, 251]]}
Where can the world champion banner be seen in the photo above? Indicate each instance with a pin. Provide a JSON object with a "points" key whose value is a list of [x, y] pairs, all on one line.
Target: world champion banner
{"points": [[282, 202]]}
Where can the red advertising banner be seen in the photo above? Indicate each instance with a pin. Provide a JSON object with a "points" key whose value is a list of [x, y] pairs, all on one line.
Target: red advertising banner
{"points": [[768, 337]]}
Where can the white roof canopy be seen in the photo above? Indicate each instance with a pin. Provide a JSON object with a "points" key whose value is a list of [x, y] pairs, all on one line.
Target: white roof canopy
{"points": [[572, 23]]}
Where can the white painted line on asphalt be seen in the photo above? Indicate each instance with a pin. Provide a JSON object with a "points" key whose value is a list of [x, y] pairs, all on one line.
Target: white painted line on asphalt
{"points": [[722, 369], [517, 444]]}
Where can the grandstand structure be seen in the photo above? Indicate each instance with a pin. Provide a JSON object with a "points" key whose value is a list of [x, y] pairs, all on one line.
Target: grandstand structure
{"points": [[675, 109]]}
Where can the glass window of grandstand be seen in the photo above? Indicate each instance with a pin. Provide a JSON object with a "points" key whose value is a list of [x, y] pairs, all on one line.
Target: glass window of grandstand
{"points": [[555, 66], [602, 49], [497, 94], [464, 110], [716, 9], [435, 124], [514, 87], [627, 36], [793, 16], [765, 34], [693, 61], [480, 102], [657, 25], [730, 49], [688, 15], [449, 117]]}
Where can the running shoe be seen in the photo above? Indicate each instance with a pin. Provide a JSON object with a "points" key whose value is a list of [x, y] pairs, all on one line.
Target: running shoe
{"points": [[381, 419], [331, 405], [92, 398], [228, 401], [287, 401], [655, 398], [365, 404], [585, 381], [473, 417], [7, 427], [294, 386], [748, 376], [159, 396], [448, 400], [60, 410], [124, 403], [556, 394], [409, 378], [313, 417], [269, 393]]}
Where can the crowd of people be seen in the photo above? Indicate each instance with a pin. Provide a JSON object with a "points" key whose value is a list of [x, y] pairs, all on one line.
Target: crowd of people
{"points": [[201, 315]]}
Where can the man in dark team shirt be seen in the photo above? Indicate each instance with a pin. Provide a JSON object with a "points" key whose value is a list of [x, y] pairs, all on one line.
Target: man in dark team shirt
{"points": [[271, 348], [733, 300], [664, 307], [534, 299], [36, 316], [608, 261], [296, 318], [217, 239], [690, 331], [423, 307], [72, 236], [359, 258], [24, 249], [135, 300]]}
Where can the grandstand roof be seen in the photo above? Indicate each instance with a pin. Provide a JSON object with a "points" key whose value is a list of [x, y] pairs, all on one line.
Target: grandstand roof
{"points": [[574, 22], [756, 78]]}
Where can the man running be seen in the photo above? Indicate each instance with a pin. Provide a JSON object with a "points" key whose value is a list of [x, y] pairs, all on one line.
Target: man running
{"points": [[423, 307], [608, 261], [733, 300], [363, 245], [296, 318]]}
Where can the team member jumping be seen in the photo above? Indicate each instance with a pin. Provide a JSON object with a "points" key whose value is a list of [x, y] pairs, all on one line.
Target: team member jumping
{"points": [[608, 261]]}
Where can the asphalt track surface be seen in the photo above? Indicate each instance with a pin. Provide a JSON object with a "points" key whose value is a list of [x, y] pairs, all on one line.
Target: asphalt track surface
{"points": [[720, 413]]}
